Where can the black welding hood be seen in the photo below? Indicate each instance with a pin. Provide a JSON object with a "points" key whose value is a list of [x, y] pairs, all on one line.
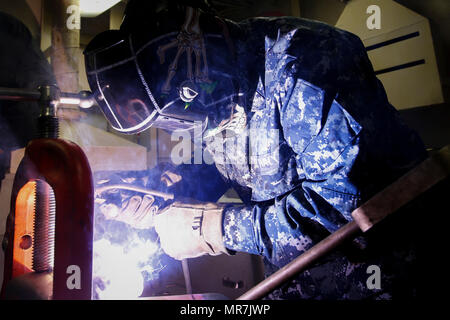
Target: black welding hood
{"points": [[179, 78]]}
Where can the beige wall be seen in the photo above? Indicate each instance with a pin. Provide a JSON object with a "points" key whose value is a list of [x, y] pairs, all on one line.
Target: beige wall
{"points": [[407, 88], [323, 10]]}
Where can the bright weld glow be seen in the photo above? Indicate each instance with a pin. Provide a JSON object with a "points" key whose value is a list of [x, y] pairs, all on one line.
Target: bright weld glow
{"points": [[92, 8], [120, 267]]}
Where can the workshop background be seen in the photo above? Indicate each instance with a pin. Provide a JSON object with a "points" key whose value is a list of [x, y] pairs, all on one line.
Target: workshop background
{"points": [[409, 53]]}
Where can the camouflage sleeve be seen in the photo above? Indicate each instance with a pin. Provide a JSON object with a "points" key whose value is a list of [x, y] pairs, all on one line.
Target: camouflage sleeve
{"points": [[289, 225], [326, 141], [348, 142]]}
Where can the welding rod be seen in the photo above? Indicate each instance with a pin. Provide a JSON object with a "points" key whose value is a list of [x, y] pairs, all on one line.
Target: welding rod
{"points": [[427, 174], [164, 195]]}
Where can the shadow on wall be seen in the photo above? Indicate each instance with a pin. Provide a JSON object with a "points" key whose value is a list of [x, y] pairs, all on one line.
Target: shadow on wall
{"points": [[22, 11], [438, 13], [323, 10], [432, 122]]}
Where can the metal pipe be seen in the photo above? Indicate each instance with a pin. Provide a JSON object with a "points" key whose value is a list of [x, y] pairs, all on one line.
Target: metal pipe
{"points": [[66, 54], [405, 189], [84, 99], [19, 94], [187, 276], [324, 247]]}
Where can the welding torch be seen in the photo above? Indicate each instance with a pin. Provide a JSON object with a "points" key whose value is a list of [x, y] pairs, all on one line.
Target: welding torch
{"points": [[164, 195], [148, 199]]}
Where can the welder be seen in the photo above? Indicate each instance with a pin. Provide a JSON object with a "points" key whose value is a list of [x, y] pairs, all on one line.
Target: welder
{"points": [[295, 121]]}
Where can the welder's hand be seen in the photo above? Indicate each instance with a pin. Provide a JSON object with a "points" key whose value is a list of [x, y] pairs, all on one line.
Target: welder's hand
{"points": [[137, 212], [190, 230]]}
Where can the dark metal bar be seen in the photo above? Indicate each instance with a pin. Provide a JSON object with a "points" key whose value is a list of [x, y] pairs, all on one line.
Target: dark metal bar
{"points": [[17, 94], [187, 276], [84, 99]]}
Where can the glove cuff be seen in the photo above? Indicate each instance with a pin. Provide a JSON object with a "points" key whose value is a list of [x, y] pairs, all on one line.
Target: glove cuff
{"points": [[212, 232]]}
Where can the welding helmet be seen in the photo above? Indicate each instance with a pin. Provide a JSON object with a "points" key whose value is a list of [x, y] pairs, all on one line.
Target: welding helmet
{"points": [[168, 74]]}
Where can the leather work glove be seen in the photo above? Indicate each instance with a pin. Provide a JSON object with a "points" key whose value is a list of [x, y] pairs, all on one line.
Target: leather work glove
{"points": [[138, 212], [190, 230]]}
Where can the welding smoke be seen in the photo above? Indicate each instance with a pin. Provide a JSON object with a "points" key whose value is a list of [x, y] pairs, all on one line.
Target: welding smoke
{"points": [[118, 269]]}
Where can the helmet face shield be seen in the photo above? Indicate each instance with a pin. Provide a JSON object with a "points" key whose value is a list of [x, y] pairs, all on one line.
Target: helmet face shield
{"points": [[126, 107], [143, 82]]}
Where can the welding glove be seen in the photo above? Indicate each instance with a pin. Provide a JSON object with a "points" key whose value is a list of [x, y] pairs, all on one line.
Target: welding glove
{"points": [[190, 230], [138, 212]]}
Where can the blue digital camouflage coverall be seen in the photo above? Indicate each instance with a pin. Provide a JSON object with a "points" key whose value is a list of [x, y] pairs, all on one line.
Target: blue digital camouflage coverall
{"points": [[319, 138], [339, 142]]}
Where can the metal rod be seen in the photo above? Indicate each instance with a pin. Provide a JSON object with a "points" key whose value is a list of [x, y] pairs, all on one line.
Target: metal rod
{"points": [[18, 94], [84, 99], [187, 276], [302, 262]]}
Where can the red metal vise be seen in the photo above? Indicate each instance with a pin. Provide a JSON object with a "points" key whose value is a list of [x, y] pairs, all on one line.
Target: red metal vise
{"points": [[49, 230]]}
